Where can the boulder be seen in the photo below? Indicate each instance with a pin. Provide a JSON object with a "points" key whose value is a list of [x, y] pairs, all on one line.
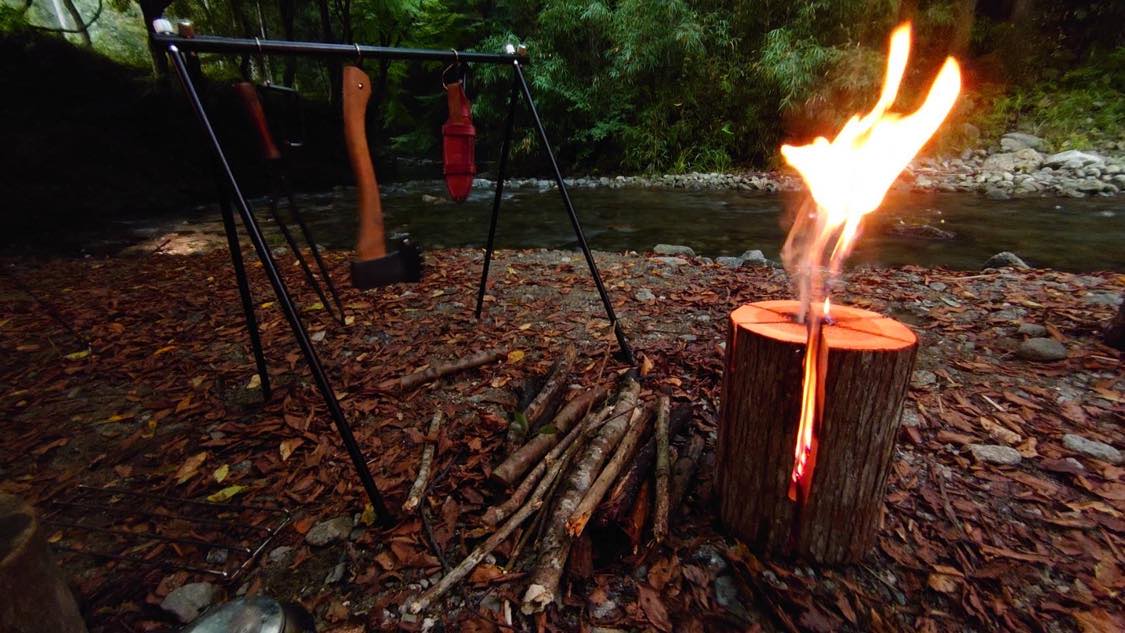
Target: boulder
{"points": [[754, 258], [673, 249], [1013, 141], [729, 262], [1025, 159], [1006, 259], [1092, 448], [1042, 350], [995, 454], [1072, 157]]}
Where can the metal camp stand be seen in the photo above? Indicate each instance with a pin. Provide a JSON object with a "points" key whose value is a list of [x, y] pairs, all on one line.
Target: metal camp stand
{"points": [[178, 49]]}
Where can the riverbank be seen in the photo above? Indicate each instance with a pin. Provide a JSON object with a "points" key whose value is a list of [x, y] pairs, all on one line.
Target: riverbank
{"points": [[1021, 167], [1002, 508]]}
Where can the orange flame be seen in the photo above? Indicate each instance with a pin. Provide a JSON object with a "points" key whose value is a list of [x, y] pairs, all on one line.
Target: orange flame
{"points": [[848, 178]]}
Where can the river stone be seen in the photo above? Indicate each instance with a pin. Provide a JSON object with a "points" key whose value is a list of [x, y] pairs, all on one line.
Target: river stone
{"points": [[188, 601], [329, 531], [1072, 157], [279, 556], [1092, 448], [1013, 141], [1032, 330], [671, 261], [729, 262], [673, 249], [644, 295], [995, 454], [1006, 259], [754, 258], [1041, 349]]}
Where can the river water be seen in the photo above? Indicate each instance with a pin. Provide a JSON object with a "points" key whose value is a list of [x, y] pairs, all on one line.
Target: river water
{"points": [[1068, 234]]}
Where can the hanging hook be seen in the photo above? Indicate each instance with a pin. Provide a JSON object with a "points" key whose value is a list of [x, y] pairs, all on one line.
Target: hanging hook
{"points": [[456, 64], [358, 54]]}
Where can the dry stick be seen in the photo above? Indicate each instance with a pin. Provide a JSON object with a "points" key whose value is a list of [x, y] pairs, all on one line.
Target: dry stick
{"points": [[419, 487], [555, 544], [556, 461], [660, 514], [684, 469], [530, 453], [581, 515], [498, 513], [618, 505], [437, 370], [542, 401]]}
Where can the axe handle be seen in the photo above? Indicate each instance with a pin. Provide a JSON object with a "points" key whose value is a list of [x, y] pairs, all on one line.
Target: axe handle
{"points": [[370, 243], [248, 94]]}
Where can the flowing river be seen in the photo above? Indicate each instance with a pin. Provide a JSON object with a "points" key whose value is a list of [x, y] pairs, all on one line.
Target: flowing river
{"points": [[942, 229]]}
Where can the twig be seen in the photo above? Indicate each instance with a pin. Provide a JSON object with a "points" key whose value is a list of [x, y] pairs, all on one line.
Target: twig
{"points": [[420, 482], [556, 464], [581, 515], [437, 370], [428, 530], [556, 378], [660, 514]]}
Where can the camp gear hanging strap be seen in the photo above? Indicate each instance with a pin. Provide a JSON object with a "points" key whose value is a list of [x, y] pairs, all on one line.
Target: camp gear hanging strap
{"points": [[459, 143]]}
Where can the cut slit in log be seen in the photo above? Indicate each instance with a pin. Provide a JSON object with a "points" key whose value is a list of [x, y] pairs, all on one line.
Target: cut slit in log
{"points": [[868, 367], [437, 370]]}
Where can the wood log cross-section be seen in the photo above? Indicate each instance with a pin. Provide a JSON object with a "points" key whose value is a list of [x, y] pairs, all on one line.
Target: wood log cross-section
{"points": [[870, 360]]}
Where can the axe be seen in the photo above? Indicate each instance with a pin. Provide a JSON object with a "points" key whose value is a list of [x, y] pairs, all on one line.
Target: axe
{"points": [[373, 266]]}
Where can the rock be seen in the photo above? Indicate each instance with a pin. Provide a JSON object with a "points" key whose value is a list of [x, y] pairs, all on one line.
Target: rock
{"points": [[923, 231], [1072, 157], [923, 378], [1092, 448], [329, 531], [429, 199], [1013, 141], [1006, 259], [673, 249], [995, 454], [1025, 159], [188, 601], [279, 556], [644, 295], [726, 595], [336, 574], [754, 258], [671, 261], [729, 262], [1032, 330], [1041, 349], [997, 193], [217, 555]]}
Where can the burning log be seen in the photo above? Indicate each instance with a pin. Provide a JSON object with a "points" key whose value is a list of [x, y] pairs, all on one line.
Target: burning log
{"points": [[863, 375], [530, 453], [437, 370], [418, 489]]}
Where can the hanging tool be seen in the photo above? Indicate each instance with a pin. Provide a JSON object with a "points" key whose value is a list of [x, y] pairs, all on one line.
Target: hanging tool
{"points": [[458, 134], [373, 266], [280, 184]]}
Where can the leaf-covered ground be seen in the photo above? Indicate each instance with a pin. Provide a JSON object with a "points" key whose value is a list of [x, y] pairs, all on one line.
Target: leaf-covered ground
{"points": [[164, 399]]}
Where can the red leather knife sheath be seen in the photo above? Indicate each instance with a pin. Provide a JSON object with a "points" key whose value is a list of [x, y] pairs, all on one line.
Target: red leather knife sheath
{"points": [[459, 139]]}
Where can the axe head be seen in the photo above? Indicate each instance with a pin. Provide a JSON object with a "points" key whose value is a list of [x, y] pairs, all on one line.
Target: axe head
{"points": [[403, 265]]}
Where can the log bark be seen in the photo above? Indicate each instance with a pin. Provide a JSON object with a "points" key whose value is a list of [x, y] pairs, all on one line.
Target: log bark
{"points": [[660, 513], [619, 503], [555, 544], [36, 598], [581, 515], [437, 370], [683, 472], [530, 453], [868, 367], [543, 401], [419, 487], [634, 527]]}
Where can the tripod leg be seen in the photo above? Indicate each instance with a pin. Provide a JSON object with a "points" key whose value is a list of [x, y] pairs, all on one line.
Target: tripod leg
{"points": [[244, 290], [275, 200], [622, 342], [500, 175], [339, 315], [359, 462]]}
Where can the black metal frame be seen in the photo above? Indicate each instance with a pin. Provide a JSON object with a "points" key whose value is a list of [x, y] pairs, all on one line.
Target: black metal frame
{"points": [[230, 192]]}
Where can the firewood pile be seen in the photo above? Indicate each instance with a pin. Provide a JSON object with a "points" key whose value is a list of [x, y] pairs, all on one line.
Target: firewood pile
{"points": [[602, 461]]}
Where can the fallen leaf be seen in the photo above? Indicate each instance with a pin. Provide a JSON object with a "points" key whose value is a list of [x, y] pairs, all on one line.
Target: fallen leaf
{"points": [[288, 446], [226, 494], [944, 583], [654, 608], [255, 382], [221, 473], [188, 469], [368, 515], [78, 355], [515, 356]]}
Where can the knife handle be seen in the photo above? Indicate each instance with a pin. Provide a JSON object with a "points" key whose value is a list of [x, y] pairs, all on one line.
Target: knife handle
{"points": [[252, 105], [370, 242]]}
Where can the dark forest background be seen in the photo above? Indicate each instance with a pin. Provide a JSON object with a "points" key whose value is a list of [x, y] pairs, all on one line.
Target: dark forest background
{"points": [[94, 125]]}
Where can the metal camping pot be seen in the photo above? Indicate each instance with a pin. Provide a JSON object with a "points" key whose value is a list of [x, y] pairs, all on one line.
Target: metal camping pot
{"points": [[259, 614]]}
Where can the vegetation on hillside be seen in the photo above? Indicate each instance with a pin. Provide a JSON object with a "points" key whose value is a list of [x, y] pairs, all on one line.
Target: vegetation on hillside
{"points": [[632, 85]]}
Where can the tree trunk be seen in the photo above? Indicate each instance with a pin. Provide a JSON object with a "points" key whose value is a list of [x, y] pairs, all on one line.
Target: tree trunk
{"points": [[868, 367], [287, 9], [964, 15], [36, 597]]}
